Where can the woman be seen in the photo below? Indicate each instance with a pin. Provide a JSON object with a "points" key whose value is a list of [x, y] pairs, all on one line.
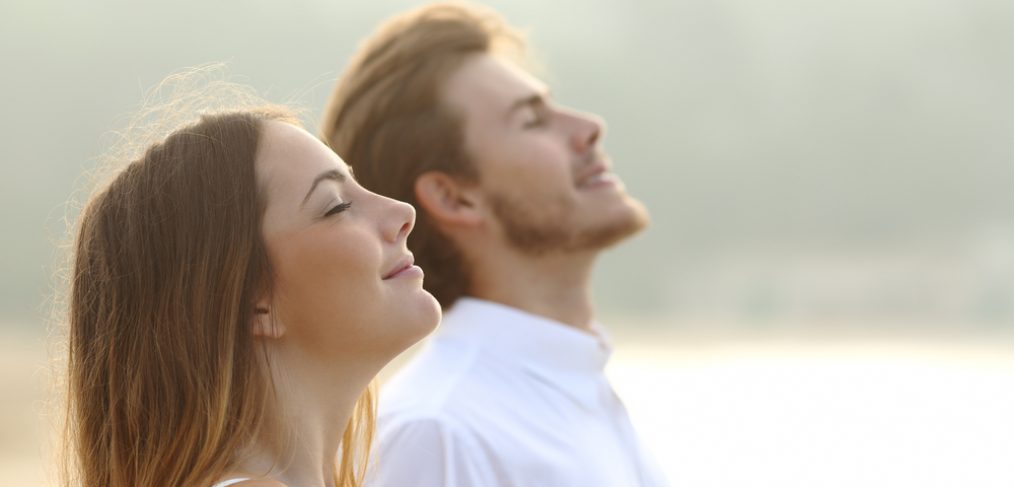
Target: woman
{"points": [[234, 292]]}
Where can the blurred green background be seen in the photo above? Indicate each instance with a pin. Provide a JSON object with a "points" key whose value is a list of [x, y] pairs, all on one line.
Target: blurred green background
{"points": [[809, 161], [825, 296]]}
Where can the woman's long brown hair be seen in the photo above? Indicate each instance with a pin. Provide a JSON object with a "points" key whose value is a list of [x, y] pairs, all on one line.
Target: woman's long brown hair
{"points": [[165, 386]]}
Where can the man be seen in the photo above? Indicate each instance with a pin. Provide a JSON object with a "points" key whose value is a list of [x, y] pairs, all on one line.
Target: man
{"points": [[516, 200]]}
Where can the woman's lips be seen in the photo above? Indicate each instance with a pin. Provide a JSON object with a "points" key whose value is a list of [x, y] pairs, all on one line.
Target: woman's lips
{"points": [[406, 267], [410, 271]]}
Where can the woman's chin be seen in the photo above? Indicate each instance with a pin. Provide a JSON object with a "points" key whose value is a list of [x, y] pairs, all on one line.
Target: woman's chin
{"points": [[428, 314], [418, 317]]}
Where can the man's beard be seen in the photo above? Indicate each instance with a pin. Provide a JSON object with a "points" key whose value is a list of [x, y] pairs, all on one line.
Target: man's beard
{"points": [[537, 230]]}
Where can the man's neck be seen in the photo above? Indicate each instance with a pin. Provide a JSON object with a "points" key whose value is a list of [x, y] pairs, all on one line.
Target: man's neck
{"points": [[557, 287]]}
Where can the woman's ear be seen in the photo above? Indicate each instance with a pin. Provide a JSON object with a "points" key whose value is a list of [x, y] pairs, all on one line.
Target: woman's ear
{"points": [[263, 324], [447, 200]]}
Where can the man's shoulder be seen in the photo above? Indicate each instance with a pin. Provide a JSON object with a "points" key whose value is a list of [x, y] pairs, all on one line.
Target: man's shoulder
{"points": [[432, 449], [427, 385], [425, 423], [442, 435]]}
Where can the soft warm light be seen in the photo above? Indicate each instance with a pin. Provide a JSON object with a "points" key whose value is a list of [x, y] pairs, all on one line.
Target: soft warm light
{"points": [[820, 415]]}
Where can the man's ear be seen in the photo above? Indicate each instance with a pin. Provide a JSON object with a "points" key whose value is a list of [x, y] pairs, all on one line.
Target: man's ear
{"points": [[263, 325], [448, 200]]}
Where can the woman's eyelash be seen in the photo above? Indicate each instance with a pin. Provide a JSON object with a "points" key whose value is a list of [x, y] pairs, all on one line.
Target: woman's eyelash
{"points": [[338, 208]]}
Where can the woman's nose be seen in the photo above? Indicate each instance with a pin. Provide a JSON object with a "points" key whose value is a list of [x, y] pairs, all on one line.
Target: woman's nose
{"points": [[401, 220]]}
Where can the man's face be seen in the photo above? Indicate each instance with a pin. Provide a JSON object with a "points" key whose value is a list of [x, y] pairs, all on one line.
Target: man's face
{"points": [[541, 170]]}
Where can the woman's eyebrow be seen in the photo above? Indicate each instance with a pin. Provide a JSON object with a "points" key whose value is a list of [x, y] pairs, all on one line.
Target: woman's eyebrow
{"points": [[331, 175]]}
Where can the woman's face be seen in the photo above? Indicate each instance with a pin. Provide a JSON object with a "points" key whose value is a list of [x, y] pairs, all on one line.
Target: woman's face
{"points": [[343, 280]]}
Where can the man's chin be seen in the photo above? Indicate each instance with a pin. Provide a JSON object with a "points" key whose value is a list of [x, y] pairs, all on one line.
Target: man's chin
{"points": [[626, 223], [639, 214], [598, 225]]}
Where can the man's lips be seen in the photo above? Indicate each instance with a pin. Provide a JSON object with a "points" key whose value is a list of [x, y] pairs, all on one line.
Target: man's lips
{"points": [[597, 174]]}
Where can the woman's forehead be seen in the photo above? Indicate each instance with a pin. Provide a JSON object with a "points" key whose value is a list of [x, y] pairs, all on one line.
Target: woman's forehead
{"points": [[290, 158]]}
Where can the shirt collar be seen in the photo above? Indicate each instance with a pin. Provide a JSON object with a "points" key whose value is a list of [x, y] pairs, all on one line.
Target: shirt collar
{"points": [[536, 342]]}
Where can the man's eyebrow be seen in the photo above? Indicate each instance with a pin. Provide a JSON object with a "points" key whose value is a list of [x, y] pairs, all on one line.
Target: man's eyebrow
{"points": [[533, 100], [332, 175]]}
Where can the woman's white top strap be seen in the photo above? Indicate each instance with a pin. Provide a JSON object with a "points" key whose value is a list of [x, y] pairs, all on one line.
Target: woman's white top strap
{"points": [[227, 483]]}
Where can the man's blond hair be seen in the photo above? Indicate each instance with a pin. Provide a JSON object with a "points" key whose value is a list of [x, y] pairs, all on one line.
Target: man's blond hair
{"points": [[386, 119]]}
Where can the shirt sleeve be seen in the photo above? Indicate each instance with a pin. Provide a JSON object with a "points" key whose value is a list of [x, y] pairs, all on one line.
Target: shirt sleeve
{"points": [[429, 452]]}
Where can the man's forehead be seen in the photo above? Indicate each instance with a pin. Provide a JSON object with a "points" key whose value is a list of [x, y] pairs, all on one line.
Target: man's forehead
{"points": [[490, 82]]}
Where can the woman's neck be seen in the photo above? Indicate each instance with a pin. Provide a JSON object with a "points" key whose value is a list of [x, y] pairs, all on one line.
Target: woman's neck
{"points": [[299, 444]]}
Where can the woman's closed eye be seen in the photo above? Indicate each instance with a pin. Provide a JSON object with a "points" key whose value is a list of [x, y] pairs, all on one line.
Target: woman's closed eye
{"points": [[338, 209]]}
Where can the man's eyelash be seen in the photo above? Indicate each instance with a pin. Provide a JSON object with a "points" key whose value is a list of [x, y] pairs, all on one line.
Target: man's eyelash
{"points": [[539, 117], [338, 208], [535, 122]]}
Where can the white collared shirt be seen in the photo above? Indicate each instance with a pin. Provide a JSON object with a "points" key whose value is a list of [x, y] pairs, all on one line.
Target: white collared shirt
{"points": [[501, 397]]}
